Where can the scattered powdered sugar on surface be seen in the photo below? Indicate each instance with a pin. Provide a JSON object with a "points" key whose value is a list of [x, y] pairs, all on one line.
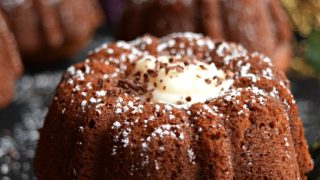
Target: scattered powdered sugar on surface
{"points": [[309, 111], [17, 145]]}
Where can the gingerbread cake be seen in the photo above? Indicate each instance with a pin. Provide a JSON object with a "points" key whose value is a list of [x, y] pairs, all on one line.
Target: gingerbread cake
{"points": [[178, 107], [48, 30], [10, 64], [259, 25]]}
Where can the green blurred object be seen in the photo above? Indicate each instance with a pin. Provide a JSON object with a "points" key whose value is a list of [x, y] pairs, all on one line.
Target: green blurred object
{"points": [[305, 17], [312, 51]]}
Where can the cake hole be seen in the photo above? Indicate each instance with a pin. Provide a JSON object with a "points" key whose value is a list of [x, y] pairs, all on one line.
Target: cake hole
{"points": [[215, 136], [225, 171], [250, 105], [252, 121], [82, 68], [174, 175], [262, 125], [272, 125], [92, 124], [242, 144]]}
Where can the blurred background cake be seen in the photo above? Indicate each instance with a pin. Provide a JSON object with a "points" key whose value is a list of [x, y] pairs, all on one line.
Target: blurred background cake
{"points": [[50, 30], [257, 24], [42, 32], [10, 63]]}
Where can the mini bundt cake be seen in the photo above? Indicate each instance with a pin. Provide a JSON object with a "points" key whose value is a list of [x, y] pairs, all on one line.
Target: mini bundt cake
{"points": [[179, 107], [10, 63], [259, 25], [47, 30]]}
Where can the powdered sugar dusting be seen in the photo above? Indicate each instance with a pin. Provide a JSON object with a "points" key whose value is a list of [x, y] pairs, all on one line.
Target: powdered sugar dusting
{"points": [[108, 85]]}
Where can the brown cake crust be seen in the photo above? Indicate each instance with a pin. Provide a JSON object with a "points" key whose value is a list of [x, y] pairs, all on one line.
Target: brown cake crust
{"points": [[97, 129], [10, 63], [47, 30], [257, 24]]}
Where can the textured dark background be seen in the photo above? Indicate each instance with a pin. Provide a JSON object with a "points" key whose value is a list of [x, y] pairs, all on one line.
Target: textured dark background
{"points": [[19, 123]]}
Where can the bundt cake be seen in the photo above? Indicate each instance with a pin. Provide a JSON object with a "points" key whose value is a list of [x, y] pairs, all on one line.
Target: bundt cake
{"points": [[178, 107], [47, 30], [10, 64], [257, 24]]}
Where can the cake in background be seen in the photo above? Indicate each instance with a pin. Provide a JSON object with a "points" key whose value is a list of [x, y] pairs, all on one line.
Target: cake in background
{"points": [[178, 107], [113, 9], [10, 63], [257, 24], [50, 30]]}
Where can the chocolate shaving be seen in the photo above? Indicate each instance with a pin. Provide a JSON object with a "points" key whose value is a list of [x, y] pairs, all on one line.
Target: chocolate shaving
{"points": [[215, 77], [137, 74], [179, 68], [146, 78], [163, 65], [152, 73], [130, 85], [219, 81], [202, 67], [208, 81], [188, 98]]}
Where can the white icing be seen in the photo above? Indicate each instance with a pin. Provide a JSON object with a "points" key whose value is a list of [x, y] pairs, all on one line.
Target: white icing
{"points": [[175, 87]]}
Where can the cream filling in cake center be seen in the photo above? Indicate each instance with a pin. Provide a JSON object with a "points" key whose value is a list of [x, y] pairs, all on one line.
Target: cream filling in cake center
{"points": [[179, 83]]}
